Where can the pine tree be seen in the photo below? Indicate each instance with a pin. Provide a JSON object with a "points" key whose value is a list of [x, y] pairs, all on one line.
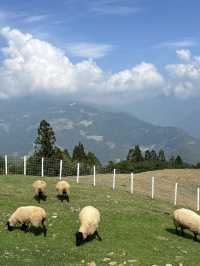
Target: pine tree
{"points": [[147, 155], [45, 141], [161, 156], [79, 153], [153, 155], [135, 154], [178, 161], [93, 160]]}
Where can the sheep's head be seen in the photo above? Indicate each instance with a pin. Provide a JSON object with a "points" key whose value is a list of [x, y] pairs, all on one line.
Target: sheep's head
{"points": [[79, 238], [10, 228]]}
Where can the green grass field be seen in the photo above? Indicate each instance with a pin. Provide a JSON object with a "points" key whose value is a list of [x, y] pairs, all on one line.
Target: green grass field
{"points": [[135, 229]]}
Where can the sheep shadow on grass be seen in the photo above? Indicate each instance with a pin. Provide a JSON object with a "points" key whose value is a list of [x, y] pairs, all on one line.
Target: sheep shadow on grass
{"points": [[38, 198], [37, 231], [63, 197], [185, 235], [90, 238]]}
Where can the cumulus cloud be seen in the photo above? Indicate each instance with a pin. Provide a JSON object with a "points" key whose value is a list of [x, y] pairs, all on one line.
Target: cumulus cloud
{"points": [[185, 77], [142, 77], [31, 65], [184, 54]]}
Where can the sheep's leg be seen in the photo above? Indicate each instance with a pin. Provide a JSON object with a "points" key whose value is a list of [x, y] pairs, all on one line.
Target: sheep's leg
{"points": [[44, 227], [24, 227], [98, 236], [195, 236], [177, 230], [182, 232]]}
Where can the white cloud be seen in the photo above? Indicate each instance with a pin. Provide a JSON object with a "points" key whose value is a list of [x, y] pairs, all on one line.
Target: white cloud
{"points": [[86, 123], [31, 65], [184, 78], [183, 54], [177, 44], [89, 50], [36, 18], [143, 77], [95, 138]]}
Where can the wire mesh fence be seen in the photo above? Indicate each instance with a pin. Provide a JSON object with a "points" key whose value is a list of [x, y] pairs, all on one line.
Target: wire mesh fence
{"points": [[163, 186]]}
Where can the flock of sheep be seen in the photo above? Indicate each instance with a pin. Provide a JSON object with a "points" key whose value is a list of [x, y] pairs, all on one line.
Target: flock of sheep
{"points": [[36, 216], [89, 216]]}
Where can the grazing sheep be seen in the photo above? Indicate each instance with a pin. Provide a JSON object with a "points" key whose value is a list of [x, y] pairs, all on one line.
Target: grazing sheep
{"points": [[91, 263], [39, 188], [26, 215], [187, 219], [89, 218], [63, 189]]}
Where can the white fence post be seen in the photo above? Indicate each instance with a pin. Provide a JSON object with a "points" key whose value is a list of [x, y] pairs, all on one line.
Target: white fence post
{"points": [[78, 173], [114, 179], [198, 198], [175, 194], [6, 164], [42, 170], [152, 187], [131, 183], [24, 165], [60, 175], [94, 176]]}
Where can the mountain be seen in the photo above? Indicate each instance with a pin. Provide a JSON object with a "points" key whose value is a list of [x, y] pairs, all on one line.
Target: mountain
{"points": [[109, 135]]}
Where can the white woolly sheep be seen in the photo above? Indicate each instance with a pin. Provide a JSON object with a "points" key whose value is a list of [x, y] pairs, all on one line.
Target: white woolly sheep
{"points": [[39, 187], [26, 215], [89, 218], [63, 190], [187, 219]]}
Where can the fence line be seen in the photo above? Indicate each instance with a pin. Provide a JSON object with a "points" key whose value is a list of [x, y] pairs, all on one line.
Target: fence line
{"points": [[177, 193]]}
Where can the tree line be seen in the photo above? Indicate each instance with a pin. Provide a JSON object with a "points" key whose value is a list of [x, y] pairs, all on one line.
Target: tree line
{"points": [[45, 147]]}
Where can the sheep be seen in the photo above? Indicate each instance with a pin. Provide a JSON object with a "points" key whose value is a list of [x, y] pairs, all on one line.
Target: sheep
{"points": [[187, 219], [63, 189], [26, 215], [89, 218], [39, 187]]}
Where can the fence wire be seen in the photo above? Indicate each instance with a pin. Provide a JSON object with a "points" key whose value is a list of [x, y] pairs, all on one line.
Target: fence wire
{"points": [[164, 182]]}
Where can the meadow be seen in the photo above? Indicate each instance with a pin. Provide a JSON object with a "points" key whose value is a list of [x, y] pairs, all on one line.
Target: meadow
{"points": [[136, 230]]}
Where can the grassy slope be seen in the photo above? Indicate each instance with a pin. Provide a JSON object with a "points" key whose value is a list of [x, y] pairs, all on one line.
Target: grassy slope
{"points": [[133, 227]]}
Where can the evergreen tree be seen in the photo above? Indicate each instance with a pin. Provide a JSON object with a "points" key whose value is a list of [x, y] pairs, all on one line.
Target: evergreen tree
{"points": [[135, 155], [161, 156], [147, 155], [93, 160], [45, 141], [178, 161], [67, 154], [153, 155], [79, 153]]}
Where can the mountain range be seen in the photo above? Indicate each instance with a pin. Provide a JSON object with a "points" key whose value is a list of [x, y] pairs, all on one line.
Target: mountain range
{"points": [[109, 134]]}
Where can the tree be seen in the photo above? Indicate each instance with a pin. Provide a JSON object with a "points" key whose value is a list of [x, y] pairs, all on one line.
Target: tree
{"points": [[161, 156], [147, 155], [45, 141], [79, 153], [93, 160], [135, 154], [178, 161], [153, 155]]}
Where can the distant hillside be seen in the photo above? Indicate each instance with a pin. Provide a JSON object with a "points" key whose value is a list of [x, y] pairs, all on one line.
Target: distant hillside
{"points": [[109, 135]]}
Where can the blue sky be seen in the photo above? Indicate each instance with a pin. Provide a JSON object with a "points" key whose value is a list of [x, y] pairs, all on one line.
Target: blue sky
{"points": [[143, 30], [111, 52]]}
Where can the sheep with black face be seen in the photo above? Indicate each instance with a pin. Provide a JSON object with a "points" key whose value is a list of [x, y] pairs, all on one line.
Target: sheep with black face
{"points": [[39, 187], [63, 190], [89, 218], [26, 215]]}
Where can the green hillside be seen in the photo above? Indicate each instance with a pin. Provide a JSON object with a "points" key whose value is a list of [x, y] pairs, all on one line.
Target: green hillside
{"points": [[135, 229]]}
